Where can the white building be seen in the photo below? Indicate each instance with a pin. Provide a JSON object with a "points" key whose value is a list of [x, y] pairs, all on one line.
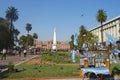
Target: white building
{"points": [[112, 27]]}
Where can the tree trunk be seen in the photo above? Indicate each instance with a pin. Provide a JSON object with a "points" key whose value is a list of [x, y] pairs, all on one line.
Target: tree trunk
{"points": [[101, 33]]}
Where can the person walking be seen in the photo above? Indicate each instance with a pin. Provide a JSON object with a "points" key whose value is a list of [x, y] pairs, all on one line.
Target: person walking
{"points": [[4, 52], [25, 52]]}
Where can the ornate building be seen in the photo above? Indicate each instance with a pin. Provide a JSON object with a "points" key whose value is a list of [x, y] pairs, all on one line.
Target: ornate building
{"points": [[112, 27], [47, 45]]}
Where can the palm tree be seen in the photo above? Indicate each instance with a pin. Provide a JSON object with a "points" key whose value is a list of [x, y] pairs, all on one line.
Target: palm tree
{"points": [[12, 16], [28, 27], [35, 36], [101, 17]]}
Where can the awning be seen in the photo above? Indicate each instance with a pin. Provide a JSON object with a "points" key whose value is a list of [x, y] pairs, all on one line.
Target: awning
{"points": [[97, 70]]}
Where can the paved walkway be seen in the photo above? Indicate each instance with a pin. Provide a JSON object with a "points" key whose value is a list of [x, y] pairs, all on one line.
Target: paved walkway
{"points": [[15, 59]]}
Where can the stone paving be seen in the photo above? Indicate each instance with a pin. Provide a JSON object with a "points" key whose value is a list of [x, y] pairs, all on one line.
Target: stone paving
{"points": [[15, 59]]}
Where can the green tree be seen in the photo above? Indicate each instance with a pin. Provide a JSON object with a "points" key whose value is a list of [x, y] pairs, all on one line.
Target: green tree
{"points": [[30, 40], [26, 41], [4, 33], [16, 33], [72, 42], [23, 41], [35, 36], [28, 27], [12, 16], [86, 37], [90, 39], [82, 36], [101, 17]]}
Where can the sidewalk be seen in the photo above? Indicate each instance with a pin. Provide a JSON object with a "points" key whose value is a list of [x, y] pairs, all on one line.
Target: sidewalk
{"points": [[15, 59]]}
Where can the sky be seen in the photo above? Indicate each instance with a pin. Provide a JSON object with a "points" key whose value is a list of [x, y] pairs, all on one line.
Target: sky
{"points": [[65, 15]]}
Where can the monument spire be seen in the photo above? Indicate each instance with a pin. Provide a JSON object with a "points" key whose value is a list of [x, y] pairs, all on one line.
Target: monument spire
{"points": [[54, 36], [54, 46]]}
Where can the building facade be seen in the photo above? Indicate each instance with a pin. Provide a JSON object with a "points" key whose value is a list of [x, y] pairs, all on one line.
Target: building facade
{"points": [[47, 45], [111, 27]]}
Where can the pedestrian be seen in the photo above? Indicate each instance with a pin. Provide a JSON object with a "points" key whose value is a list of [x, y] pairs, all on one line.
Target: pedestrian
{"points": [[119, 55], [25, 52], [4, 52], [19, 52]]}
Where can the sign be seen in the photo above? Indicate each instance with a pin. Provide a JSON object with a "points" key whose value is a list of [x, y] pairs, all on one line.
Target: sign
{"points": [[73, 55], [75, 39]]}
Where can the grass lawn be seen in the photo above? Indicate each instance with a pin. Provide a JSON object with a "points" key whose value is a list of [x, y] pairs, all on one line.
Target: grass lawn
{"points": [[50, 70], [45, 70], [42, 70], [59, 57]]}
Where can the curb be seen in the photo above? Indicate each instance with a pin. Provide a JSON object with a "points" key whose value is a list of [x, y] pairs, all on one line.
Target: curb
{"points": [[26, 60]]}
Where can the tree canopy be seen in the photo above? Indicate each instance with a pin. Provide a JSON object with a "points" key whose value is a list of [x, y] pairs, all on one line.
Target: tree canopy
{"points": [[84, 37], [4, 33], [28, 27], [11, 16]]}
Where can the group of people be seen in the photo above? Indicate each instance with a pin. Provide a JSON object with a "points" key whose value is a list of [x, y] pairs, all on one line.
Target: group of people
{"points": [[4, 53]]}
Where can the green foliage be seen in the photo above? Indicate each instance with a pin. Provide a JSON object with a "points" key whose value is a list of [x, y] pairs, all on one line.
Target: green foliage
{"points": [[4, 33], [11, 16], [28, 27], [72, 42], [43, 70], [10, 67], [23, 40], [86, 37], [115, 68], [101, 16], [30, 40], [35, 36], [16, 32], [58, 57], [26, 40]]}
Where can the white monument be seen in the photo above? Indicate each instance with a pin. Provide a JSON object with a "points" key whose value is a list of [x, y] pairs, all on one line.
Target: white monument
{"points": [[54, 45]]}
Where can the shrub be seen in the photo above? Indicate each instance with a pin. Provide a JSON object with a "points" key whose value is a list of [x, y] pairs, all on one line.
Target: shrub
{"points": [[58, 57], [10, 66]]}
